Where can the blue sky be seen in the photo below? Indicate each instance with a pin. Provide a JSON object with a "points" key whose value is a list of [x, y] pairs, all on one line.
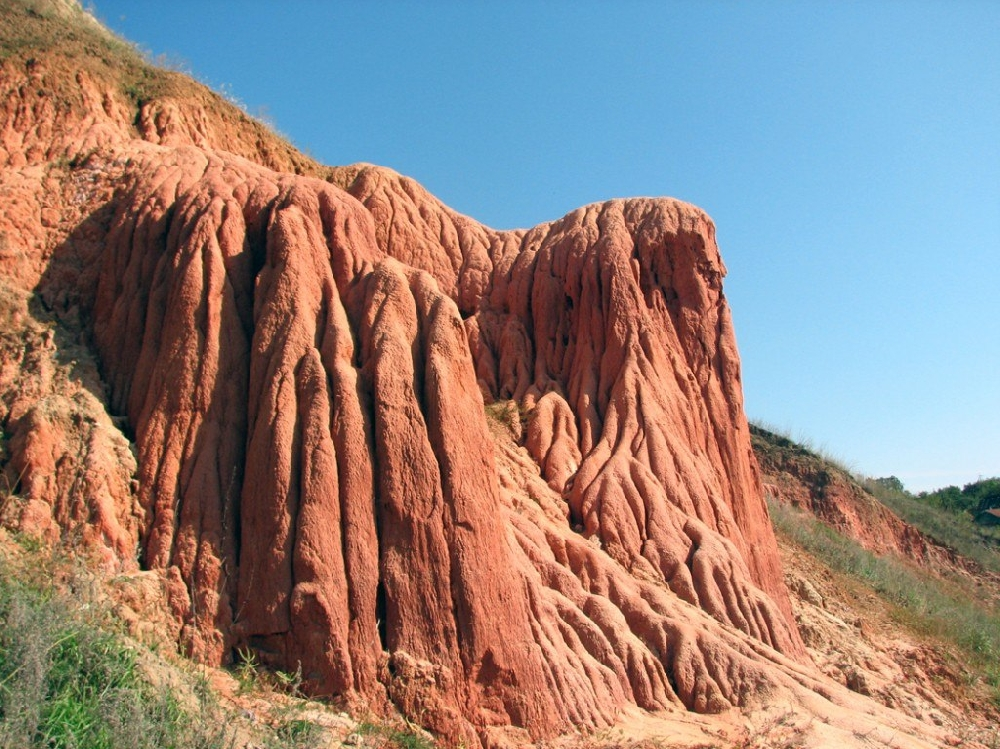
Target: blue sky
{"points": [[849, 153]]}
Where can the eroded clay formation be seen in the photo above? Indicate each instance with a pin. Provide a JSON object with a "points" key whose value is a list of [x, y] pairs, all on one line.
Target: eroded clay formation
{"points": [[502, 480]]}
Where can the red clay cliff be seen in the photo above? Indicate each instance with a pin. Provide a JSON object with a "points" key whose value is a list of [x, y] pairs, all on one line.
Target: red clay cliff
{"points": [[313, 372]]}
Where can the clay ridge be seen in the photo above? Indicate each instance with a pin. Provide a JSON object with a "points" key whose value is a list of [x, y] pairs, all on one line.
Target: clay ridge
{"points": [[307, 369]]}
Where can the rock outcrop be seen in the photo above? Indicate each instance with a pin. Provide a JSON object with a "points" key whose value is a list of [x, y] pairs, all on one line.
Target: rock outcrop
{"points": [[311, 371]]}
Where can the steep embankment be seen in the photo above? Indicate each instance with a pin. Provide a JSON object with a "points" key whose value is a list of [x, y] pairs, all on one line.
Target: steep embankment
{"points": [[885, 607], [796, 476], [299, 358]]}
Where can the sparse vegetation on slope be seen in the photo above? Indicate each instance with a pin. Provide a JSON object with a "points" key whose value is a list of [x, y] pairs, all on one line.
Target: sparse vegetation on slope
{"points": [[926, 604], [59, 44], [380, 735], [768, 436], [942, 599], [33, 28], [70, 678], [943, 518]]}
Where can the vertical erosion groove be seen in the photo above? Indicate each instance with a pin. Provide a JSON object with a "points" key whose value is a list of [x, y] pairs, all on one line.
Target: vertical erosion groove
{"points": [[319, 480]]}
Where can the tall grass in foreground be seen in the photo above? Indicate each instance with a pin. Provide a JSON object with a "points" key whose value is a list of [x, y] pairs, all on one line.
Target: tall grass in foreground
{"points": [[922, 602], [67, 682]]}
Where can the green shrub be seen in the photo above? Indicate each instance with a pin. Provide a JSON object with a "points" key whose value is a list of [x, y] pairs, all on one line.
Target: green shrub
{"points": [[972, 498]]}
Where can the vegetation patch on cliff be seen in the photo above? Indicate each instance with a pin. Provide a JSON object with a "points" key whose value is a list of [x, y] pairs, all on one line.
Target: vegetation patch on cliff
{"points": [[71, 676]]}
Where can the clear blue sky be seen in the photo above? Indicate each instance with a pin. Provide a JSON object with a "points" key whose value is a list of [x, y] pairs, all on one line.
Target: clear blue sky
{"points": [[849, 153]]}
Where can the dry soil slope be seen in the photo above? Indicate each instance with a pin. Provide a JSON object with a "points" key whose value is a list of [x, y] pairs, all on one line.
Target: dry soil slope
{"points": [[796, 476]]}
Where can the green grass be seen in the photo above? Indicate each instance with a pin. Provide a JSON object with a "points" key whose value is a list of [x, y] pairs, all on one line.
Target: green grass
{"points": [[387, 736], [297, 732], [71, 679], [67, 681], [922, 602], [31, 27]]}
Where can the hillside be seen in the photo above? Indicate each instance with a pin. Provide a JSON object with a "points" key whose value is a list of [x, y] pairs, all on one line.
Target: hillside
{"points": [[499, 483], [879, 514], [934, 579]]}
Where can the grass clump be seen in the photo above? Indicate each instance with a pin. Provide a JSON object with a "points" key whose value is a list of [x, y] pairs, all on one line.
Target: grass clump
{"points": [[389, 736], [68, 681], [297, 732], [508, 415], [253, 676], [922, 602]]}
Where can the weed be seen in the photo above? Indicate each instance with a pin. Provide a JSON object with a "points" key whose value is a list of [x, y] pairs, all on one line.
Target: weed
{"points": [[247, 668], [503, 412], [391, 736], [289, 682], [254, 676], [777, 732], [296, 733]]}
